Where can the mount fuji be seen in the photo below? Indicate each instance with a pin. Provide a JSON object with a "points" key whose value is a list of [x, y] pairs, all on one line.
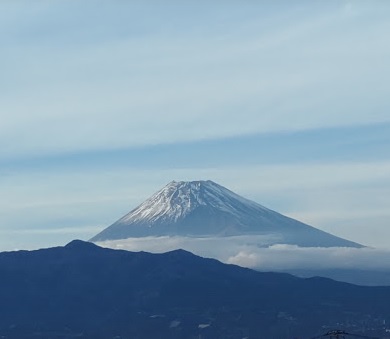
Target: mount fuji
{"points": [[206, 209]]}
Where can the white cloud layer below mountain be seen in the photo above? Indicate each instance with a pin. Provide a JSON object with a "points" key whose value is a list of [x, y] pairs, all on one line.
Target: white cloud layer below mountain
{"points": [[247, 251]]}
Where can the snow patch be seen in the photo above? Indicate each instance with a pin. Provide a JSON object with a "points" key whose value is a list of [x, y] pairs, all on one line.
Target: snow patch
{"points": [[177, 199]]}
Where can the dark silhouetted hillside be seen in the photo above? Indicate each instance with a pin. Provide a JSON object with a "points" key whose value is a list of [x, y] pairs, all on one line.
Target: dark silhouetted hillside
{"points": [[82, 290]]}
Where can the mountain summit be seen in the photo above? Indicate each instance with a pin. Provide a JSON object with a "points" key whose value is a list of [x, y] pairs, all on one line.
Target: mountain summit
{"points": [[203, 209]]}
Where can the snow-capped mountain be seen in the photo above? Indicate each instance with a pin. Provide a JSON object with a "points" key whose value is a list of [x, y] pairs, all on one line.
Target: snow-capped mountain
{"points": [[203, 209]]}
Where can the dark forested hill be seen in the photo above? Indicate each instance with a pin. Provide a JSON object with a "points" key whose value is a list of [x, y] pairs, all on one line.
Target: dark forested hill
{"points": [[84, 291]]}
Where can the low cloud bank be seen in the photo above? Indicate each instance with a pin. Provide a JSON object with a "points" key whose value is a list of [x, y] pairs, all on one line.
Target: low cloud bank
{"points": [[253, 252]]}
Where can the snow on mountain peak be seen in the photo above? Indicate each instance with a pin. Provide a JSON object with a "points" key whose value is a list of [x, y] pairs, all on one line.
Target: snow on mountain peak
{"points": [[179, 198], [204, 208]]}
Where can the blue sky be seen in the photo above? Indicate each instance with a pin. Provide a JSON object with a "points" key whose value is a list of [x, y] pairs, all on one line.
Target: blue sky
{"points": [[103, 103]]}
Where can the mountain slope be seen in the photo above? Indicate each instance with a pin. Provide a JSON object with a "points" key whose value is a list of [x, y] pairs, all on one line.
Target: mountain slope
{"points": [[84, 291], [204, 208]]}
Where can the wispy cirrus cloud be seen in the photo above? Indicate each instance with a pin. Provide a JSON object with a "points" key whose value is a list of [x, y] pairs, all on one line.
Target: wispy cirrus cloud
{"points": [[143, 83], [86, 90]]}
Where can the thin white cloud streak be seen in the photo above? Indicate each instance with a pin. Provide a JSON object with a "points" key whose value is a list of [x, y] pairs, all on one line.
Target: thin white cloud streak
{"points": [[32, 239], [248, 251], [153, 88], [104, 184], [73, 231]]}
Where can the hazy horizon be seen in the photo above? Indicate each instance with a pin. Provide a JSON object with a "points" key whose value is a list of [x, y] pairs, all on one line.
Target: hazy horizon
{"points": [[104, 103]]}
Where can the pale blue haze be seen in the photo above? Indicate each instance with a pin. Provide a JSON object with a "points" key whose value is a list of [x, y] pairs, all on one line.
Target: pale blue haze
{"points": [[103, 103]]}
